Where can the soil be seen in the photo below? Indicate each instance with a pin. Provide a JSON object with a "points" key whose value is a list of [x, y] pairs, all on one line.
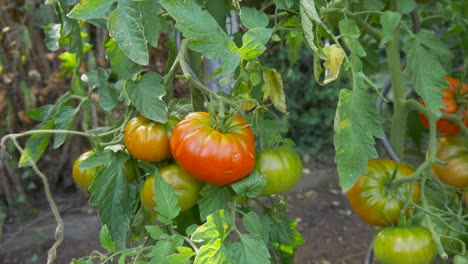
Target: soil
{"points": [[332, 232]]}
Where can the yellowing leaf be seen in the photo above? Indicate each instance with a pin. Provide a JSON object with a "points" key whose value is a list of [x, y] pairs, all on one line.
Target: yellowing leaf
{"points": [[273, 89], [332, 66]]}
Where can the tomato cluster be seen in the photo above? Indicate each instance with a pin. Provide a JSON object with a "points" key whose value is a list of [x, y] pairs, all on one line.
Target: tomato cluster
{"points": [[198, 151]]}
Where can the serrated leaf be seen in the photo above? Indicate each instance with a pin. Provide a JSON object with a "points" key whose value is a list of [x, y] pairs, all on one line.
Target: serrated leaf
{"points": [[351, 32], [52, 36], [426, 71], [213, 198], [125, 28], [253, 43], [285, 238], [42, 113], [356, 124], [217, 226], [308, 7], [250, 186], [115, 198], [256, 225], [273, 89], [165, 198], [184, 255], [151, 20], [204, 33], [212, 252], [89, 9], [251, 18], [96, 159], [162, 249], [154, 231], [147, 96], [332, 65], [106, 240], [254, 250], [108, 98], [390, 21], [120, 63], [36, 145], [64, 122]]}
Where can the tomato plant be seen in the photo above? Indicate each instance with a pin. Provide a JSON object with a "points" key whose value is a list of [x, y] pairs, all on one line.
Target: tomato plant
{"points": [[214, 155], [411, 245], [282, 167], [375, 199], [452, 150], [451, 98], [185, 187], [384, 53], [146, 140]]}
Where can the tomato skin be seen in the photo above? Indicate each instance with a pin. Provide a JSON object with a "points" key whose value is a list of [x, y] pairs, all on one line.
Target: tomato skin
{"points": [[451, 107], [84, 177], [282, 167], [412, 245], [146, 140], [373, 200], [185, 187], [454, 151], [212, 156]]}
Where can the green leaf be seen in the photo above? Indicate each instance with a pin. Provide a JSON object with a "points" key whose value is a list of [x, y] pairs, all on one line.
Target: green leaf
{"points": [[88, 9], [115, 198], [219, 10], [166, 199], [184, 255], [179, 107], [356, 124], [204, 33], [253, 42], [251, 18], [273, 89], [125, 28], [162, 249], [108, 98], [151, 20], [36, 145], [250, 186], [254, 250], [64, 122], [426, 71], [213, 198], [390, 21], [405, 6], [285, 238], [154, 231], [42, 113], [374, 5], [52, 36], [256, 225], [119, 62], [212, 252], [96, 159], [308, 7], [217, 226], [294, 46], [106, 240], [351, 32], [146, 95]]}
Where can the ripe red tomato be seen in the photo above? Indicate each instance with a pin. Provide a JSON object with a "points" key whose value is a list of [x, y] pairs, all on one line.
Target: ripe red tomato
{"points": [[210, 155], [412, 245], [451, 107], [185, 187], [374, 199], [147, 140], [282, 168], [453, 150]]}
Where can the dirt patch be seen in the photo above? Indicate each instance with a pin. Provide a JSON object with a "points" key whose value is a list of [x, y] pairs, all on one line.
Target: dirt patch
{"points": [[332, 232]]}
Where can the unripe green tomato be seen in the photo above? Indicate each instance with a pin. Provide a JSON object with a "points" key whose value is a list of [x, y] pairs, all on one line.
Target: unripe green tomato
{"points": [[84, 177], [282, 167], [185, 186], [411, 245]]}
